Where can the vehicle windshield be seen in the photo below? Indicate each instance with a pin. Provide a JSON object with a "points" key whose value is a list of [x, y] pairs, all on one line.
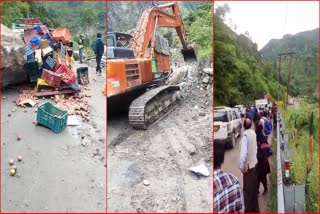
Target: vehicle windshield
{"points": [[220, 116], [110, 41]]}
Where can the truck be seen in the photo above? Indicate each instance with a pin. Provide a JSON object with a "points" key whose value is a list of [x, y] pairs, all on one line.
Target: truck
{"points": [[136, 64], [261, 103]]}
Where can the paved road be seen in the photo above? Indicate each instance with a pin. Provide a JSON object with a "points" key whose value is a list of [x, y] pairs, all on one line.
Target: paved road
{"points": [[231, 165]]}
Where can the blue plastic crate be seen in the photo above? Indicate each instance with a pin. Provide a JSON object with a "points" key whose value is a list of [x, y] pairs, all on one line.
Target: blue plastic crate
{"points": [[30, 52], [50, 62], [52, 117], [63, 51]]}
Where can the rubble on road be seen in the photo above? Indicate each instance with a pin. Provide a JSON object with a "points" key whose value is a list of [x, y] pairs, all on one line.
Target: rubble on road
{"points": [[200, 170]]}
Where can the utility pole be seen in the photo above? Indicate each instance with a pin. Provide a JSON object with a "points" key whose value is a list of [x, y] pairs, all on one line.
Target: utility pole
{"points": [[288, 82], [289, 76], [279, 77]]}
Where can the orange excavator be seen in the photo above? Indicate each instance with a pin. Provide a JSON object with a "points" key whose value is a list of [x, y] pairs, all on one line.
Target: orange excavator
{"points": [[141, 62]]}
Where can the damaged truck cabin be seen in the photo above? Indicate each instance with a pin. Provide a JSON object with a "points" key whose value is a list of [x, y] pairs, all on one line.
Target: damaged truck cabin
{"points": [[142, 61]]}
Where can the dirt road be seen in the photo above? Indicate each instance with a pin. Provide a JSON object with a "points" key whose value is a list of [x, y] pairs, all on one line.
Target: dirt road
{"points": [[57, 173], [231, 165], [162, 155]]}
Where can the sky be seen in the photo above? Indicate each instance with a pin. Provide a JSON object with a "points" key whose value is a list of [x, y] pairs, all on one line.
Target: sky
{"points": [[266, 20]]}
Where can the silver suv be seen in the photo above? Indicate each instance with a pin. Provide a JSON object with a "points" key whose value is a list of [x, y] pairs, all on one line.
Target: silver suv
{"points": [[227, 125]]}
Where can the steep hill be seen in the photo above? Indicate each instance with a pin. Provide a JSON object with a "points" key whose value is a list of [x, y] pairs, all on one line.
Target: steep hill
{"points": [[123, 16], [304, 75], [240, 73]]}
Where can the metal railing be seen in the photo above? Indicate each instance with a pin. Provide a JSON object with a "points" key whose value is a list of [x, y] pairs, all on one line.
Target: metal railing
{"points": [[279, 169]]}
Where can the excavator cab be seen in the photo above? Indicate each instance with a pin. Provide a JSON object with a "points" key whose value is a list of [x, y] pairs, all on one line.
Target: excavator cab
{"points": [[118, 46]]}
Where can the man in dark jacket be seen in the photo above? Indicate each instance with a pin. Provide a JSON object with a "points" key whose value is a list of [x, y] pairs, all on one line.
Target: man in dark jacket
{"points": [[98, 51]]}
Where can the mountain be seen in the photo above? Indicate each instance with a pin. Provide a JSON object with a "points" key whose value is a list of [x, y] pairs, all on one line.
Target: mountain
{"points": [[304, 67], [124, 15], [240, 73]]}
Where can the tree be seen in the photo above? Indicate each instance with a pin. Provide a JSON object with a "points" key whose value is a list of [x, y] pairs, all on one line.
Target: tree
{"points": [[89, 23]]}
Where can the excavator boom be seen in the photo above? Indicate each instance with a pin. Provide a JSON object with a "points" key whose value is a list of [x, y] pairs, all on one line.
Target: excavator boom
{"points": [[154, 17]]}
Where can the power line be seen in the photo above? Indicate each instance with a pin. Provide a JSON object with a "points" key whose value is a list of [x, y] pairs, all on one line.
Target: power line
{"points": [[285, 19]]}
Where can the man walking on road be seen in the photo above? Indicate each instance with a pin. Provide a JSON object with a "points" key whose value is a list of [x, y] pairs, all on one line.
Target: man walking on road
{"points": [[98, 51], [248, 162], [226, 187]]}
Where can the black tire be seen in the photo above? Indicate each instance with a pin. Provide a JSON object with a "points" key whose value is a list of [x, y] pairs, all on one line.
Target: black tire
{"points": [[233, 140]]}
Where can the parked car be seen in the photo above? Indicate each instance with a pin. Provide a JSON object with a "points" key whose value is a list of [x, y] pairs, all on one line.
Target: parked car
{"points": [[227, 125]]}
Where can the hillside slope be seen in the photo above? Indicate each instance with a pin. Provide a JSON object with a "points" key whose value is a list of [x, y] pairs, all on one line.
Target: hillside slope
{"points": [[304, 80], [240, 73]]}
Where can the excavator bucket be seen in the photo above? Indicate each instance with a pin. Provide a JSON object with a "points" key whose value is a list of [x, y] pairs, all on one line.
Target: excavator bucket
{"points": [[189, 54]]}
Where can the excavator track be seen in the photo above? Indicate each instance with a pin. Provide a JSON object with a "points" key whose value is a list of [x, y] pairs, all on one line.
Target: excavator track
{"points": [[152, 105]]}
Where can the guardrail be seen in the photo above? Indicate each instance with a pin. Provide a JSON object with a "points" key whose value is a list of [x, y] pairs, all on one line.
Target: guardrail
{"points": [[279, 169]]}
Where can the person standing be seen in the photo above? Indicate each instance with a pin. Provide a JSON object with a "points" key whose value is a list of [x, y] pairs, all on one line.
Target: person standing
{"points": [[80, 42], [263, 166], [226, 187], [248, 162], [98, 51]]}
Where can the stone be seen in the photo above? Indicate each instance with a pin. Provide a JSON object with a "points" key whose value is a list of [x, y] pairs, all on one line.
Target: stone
{"points": [[13, 57], [146, 182], [206, 80], [208, 71], [200, 170], [190, 148], [202, 114]]}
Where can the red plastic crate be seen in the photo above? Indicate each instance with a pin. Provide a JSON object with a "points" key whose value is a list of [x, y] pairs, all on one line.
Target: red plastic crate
{"points": [[72, 76], [53, 79]]}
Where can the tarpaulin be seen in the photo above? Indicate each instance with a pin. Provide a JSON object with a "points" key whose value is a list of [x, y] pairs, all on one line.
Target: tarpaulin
{"points": [[35, 40], [62, 34]]}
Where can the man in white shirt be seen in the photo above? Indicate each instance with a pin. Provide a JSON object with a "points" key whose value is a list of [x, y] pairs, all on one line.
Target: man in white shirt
{"points": [[248, 162]]}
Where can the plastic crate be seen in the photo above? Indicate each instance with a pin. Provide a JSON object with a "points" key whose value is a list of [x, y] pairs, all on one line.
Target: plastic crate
{"points": [[82, 72], [64, 69], [51, 78], [52, 117], [49, 62], [32, 69], [41, 83]]}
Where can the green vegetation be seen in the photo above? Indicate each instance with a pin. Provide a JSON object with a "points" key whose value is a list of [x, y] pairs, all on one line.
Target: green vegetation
{"points": [[273, 202], [86, 18], [12, 10], [199, 27], [301, 117], [304, 68], [240, 74]]}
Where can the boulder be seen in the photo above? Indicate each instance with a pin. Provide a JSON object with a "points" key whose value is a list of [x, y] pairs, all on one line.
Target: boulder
{"points": [[13, 57]]}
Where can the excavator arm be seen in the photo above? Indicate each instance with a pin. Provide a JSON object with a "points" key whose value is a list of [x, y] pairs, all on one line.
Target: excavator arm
{"points": [[156, 17]]}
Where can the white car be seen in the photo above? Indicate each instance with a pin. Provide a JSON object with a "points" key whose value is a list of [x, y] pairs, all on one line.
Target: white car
{"points": [[241, 109], [227, 125]]}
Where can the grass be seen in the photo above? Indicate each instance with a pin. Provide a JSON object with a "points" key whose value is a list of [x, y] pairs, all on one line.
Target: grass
{"points": [[272, 202], [300, 153]]}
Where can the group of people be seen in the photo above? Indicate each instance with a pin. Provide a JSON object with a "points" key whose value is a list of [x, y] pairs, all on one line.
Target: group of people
{"points": [[98, 51], [254, 165]]}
